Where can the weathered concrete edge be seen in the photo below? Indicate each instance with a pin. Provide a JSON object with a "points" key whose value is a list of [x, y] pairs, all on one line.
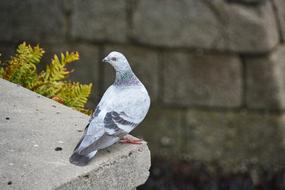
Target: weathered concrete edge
{"points": [[135, 163]]}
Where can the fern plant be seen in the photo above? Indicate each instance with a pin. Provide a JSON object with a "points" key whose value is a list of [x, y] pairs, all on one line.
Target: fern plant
{"points": [[22, 69]]}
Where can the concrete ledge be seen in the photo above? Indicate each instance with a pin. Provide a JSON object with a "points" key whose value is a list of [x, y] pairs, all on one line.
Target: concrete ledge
{"points": [[37, 136]]}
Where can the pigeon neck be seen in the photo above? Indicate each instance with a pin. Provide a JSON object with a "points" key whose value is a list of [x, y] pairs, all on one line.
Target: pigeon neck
{"points": [[126, 77]]}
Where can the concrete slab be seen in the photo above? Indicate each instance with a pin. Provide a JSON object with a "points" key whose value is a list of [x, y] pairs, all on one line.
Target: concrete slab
{"points": [[37, 136]]}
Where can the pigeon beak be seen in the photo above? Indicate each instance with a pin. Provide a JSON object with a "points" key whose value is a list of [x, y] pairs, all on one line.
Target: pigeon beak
{"points": [[105, 60]]}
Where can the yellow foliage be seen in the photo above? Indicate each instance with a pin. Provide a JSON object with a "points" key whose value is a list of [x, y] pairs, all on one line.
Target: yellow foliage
{"points": [[1, 72], [75, 94], [22, 69], [56, 70]]}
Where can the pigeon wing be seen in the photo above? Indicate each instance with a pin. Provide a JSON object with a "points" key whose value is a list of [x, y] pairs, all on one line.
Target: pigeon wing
{"points": [[115, 127], [116, 115]]}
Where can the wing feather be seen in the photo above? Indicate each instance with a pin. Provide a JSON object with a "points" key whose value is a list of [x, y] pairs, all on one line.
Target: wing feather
{"points": [[114, 117], [113, 123]]}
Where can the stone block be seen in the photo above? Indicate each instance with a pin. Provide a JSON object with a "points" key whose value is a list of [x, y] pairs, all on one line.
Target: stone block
{"points": [[235, 140], [205, 24], [36, 21], [247, 2], [7, 50], [280, 11], [265, 76], [99, 20], [144, 63], [202, 80], [165, 136]]}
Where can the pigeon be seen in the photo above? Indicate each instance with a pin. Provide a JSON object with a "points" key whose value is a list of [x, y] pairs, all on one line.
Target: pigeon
{"points": [[123, 107]]}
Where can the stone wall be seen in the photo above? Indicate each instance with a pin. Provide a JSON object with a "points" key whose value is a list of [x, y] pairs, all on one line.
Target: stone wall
{"points": [[215, 69]]}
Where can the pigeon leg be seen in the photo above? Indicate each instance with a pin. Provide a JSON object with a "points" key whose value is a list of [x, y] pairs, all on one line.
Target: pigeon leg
{"points": [[129, 139]]}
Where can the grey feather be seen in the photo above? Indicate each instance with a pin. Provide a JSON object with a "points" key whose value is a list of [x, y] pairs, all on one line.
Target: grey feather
{"points": [[95, 114], [112, 118], [81, 137]]}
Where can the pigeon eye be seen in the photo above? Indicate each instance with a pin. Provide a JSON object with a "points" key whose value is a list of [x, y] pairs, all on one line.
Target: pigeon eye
{"points": [[114, 59]]}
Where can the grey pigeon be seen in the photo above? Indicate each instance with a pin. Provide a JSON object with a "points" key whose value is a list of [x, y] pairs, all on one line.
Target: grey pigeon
{"points": [[123, 107]]}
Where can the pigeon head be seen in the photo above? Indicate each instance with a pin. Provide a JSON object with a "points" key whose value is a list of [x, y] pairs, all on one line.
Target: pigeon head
{"points": [[117, 60]]}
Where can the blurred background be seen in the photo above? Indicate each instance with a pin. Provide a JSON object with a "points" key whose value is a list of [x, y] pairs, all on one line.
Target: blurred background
{"points": [[215, 71]]}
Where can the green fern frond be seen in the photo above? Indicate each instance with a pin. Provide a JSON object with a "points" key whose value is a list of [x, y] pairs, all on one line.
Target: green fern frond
{"points": [[75, 94], [1, 72], [48, 89], [30, 54], [22, 69], [57, 70], [24, 74]]}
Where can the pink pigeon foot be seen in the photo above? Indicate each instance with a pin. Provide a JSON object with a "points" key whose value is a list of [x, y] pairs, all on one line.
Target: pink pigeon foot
{"points": [[129, 139]]}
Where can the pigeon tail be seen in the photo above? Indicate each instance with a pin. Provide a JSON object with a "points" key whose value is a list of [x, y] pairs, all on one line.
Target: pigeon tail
{"points": [[81, 160]]}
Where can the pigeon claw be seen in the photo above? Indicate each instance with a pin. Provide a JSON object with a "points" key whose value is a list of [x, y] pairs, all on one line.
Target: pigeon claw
{"points": [[129, 139]]}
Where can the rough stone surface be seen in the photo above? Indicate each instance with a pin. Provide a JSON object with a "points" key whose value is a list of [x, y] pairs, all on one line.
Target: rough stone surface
{"points": [[202, 80], [247, 2], [6, 51], [166, 133], [30, 20], [280, 11], [235, 140], [32, 126], [99, 20], [144, 63], [205, 24], [265, 76]]}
